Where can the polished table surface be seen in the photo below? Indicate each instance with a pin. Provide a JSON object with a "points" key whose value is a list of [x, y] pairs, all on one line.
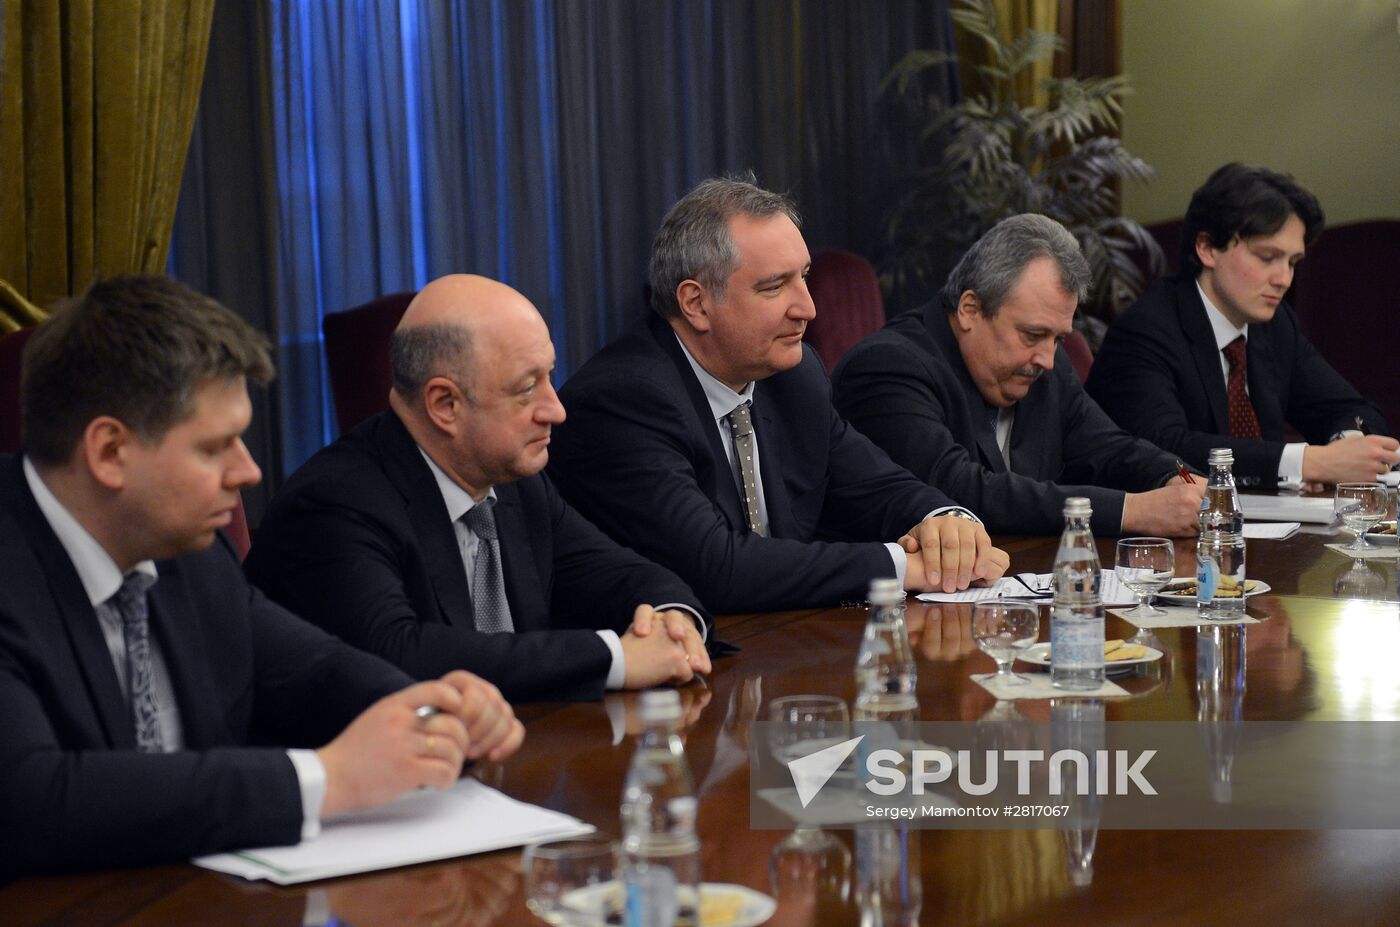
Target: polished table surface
{"points": [[1317, 655]]}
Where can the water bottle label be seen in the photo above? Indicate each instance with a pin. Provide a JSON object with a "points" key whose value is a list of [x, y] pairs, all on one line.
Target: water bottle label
{"points": [[1076, 644], [1207, 578], [651, 897]]}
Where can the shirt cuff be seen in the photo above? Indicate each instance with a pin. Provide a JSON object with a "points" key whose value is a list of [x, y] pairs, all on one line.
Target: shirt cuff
{"points": [[311, 779], [617, 673], [1290, 463], [695, 616], [901, 560]]}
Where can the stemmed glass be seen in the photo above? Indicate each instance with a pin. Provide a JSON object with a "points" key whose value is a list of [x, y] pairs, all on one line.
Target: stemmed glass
{"points": [[801, 725], [1360, 506], [1003, 628], [1145, 565]]}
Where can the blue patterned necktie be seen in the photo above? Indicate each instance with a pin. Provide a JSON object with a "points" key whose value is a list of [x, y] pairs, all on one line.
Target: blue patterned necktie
{"points": [[130, 603], [489, 603]]}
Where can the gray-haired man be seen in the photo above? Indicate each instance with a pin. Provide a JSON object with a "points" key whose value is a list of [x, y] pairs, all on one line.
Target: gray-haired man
{"points": [[966, 392]]}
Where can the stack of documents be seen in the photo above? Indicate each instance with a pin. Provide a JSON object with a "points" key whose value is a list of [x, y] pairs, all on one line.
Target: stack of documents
{"points": [[1308, 509], [420, 827], [1033, 586]]}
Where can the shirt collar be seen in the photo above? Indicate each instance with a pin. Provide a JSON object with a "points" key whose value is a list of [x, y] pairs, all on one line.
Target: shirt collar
{"points": [[1225, 330], [96, 569], [457, 499], [721, 398]]}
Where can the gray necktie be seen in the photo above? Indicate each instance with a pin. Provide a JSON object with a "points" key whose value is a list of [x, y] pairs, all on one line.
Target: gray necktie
{"points": [[741, 427], [488, 583], [130, 603]]}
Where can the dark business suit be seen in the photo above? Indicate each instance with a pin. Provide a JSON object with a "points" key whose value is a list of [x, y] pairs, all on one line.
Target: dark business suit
{"points": [[1159, 375], [907, 388], [640, 455], [74, 791], [359, 542]]}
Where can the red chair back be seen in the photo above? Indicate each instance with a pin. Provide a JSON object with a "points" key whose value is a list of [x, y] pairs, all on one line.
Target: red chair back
{"points": [[357, 356], [1077, 347], [1344, 293], [849, 304]]}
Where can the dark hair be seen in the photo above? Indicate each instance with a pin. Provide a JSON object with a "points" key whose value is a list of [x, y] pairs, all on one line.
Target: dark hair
{"points": [[1241, 201], [994, 263], [694, 243], [135, 348]]}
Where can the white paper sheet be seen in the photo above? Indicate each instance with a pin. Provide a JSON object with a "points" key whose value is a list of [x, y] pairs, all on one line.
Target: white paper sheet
{"points": [[1270, 530], [1111, 591], [1315, 510], [419, 827]]}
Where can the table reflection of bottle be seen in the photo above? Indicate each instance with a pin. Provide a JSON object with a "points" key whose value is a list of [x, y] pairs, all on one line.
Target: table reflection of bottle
{"points": [[811, 873], [1220, 685], [889, 885], [1078, 724]]}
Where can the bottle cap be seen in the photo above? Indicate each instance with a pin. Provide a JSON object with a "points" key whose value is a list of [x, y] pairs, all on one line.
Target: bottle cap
{"points": [[1078, 507], [661, 705], [1221, 456], [885, 591]]}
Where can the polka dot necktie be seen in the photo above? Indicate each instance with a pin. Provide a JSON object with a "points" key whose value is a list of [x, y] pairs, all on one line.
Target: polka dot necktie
{"points": [[1243, 422], [741, 427], [489, 605], [130, 603]]}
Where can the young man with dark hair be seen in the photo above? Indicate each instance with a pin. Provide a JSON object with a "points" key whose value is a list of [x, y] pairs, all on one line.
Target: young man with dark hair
{"points": [[142, 678], [1215, 358]]}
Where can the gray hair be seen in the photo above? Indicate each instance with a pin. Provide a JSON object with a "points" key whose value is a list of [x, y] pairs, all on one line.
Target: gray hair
{"points": [[420, 352], [694, 243], [994, 263]]}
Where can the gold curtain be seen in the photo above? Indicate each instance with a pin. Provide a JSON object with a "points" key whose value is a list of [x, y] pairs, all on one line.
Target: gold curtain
{"points": [[1013, 18], [97, 100]]}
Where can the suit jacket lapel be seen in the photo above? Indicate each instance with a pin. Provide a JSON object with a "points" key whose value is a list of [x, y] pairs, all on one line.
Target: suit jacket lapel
{"points": [[173, 623], [703, 422], [1204, 351], [1263, 389], [524, 585], [79, 621], [427, 515], [983, 429], [770, 463]]}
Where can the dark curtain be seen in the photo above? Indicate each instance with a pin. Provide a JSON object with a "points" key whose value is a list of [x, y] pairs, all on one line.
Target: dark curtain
{"points": [[535, 141]]}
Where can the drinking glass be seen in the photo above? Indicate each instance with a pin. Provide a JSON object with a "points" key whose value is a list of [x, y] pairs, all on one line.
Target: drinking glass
{"points": [[1145, 565], [803, 724], [1360, 506], [1003, 628], [557, 872]]}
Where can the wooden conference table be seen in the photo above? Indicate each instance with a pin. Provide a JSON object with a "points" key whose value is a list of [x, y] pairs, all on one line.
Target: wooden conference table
{"points": [[1317, 656]]}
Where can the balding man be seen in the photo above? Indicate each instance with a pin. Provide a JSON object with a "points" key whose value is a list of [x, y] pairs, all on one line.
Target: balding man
{"points": [[428, 535]]}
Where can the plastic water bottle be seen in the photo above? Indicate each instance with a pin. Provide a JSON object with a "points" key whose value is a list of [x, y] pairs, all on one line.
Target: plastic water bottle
{"points": [[1220, 549], [886, 677], [1076, 616], [660, 850]]}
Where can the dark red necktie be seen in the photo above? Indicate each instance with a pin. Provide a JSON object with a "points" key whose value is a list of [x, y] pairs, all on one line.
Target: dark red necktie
{"points": [[1243, 422]]}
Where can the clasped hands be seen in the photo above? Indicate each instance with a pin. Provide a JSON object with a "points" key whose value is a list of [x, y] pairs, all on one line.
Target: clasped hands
{"points": [[950, 553], [654, 658]]}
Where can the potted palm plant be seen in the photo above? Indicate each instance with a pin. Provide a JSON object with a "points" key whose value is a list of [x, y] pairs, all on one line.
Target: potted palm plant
{"points": [[994, 154]]}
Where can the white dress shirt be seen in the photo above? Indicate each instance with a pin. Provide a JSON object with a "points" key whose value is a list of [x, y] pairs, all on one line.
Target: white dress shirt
{"points": [[1290, 464], [101, 578]]}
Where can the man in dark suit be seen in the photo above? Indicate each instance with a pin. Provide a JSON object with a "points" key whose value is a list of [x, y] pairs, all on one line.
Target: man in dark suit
{"points": [[142, 678], [706, 437], [1214, 357], [428, 536], [974, 394]]}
